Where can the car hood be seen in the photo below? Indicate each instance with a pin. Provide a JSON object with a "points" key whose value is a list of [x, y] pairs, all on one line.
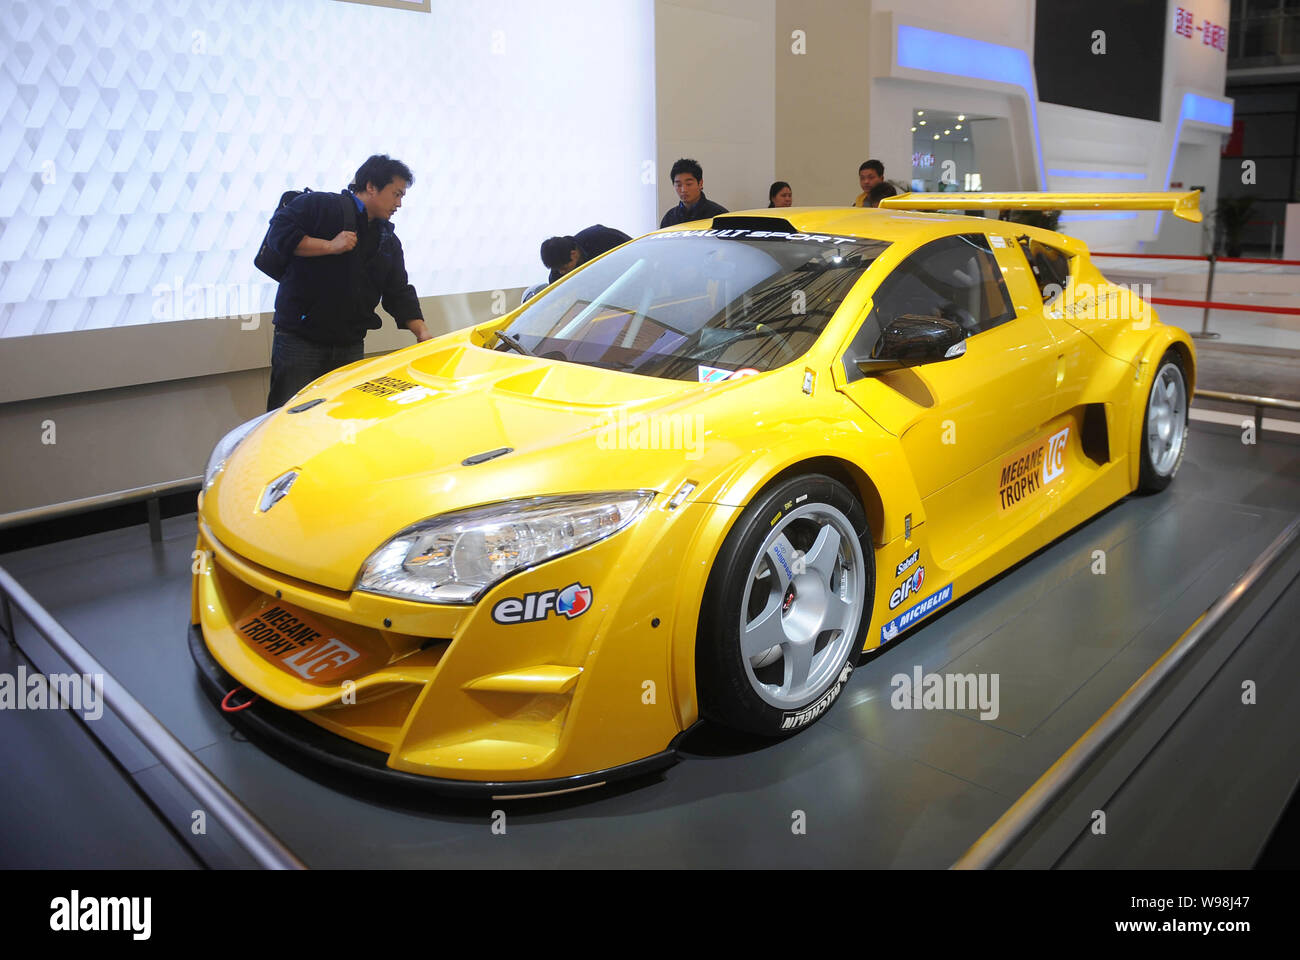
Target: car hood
{"points": [[387, 447]]}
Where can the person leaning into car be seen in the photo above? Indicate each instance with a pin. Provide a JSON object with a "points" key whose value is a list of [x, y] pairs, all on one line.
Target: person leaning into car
{"points": [[336, 277], [562, 254]]}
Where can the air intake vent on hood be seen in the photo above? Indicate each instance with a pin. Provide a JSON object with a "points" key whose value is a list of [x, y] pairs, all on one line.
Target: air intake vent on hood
{"points": [[774, 224]]}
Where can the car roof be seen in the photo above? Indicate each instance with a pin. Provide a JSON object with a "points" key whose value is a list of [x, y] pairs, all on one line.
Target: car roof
{"points": [[912, 226]]}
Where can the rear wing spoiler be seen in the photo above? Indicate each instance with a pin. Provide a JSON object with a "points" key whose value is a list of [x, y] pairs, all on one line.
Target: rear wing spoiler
{"points": [[1186, 206]]}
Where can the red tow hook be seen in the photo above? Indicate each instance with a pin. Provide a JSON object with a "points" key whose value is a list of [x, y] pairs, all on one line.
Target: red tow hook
{"points": [[227, 707]]}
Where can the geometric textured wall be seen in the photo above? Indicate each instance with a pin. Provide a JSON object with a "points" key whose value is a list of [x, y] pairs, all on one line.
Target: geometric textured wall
{"points": [[144, 145]]}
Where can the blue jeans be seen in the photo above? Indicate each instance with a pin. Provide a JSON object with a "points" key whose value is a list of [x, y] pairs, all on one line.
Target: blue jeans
{"points": [[297, 361]]}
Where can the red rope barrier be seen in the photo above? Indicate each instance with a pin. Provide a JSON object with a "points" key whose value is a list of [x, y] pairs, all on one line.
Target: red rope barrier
{"points": [[1248, 307], [1184, 256], [1148, 256], [1289, 263]]}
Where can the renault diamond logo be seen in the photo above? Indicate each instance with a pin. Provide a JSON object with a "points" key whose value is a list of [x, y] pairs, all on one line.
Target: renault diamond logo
{"points": [[276, 489]]}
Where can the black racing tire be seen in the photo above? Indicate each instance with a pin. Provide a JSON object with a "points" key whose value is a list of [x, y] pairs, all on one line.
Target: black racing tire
{"points": [[728, 682], [1151, 478]]}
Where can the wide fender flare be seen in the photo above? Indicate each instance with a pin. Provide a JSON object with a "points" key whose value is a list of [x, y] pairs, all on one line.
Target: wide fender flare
{"points": [[1146, 363], [884, 484]]}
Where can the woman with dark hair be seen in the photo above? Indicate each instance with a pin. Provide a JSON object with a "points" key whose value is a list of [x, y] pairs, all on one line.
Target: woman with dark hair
{"points": [[779, 194]]}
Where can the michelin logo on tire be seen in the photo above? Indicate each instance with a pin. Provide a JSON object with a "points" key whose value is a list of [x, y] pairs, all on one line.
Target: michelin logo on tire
{"points": [[801, 718]]}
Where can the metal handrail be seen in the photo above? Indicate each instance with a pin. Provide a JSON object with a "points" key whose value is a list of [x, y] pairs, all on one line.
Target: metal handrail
{"points": [[1016, 823], [1249, 399], [253, 835], [68, 507]]}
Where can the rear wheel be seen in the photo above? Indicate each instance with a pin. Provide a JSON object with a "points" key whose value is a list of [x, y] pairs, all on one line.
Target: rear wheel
{"points": [[1164, 426], [786, 608]]}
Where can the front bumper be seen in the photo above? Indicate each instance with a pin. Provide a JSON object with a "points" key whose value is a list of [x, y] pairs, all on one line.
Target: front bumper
{"points": [[287, 729], [456, 696]]}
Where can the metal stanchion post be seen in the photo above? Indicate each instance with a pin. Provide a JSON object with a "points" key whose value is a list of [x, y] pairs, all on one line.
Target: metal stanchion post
{"points": [[7, 615], [1272, 243], [1209, 295], [155, 519]]}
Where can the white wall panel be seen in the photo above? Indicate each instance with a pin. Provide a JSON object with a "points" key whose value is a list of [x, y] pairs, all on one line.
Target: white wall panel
{"points": [[143, 141]]}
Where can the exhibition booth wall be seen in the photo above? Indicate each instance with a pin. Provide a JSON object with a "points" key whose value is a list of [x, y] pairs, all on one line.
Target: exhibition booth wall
{"points": [[541, 119]]}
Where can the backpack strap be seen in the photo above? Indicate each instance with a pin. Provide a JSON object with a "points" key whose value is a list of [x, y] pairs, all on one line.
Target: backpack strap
{"points": [[353, 255], [349, 211]]}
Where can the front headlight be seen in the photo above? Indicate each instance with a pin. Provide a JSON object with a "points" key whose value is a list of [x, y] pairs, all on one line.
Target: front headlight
{"points": [[454, 558], [226, 446]]}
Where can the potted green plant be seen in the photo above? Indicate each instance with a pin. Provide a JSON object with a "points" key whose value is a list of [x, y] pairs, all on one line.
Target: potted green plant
{"points": [[1232, 215]]}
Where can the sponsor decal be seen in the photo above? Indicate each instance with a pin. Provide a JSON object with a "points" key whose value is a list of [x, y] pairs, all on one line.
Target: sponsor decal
{"points": [[385, 386], [299, 644], [1026, 473], [327, 657], [1054, 465], [796, 719], [997, 241], [754, 235], [912, 614], [573, 601], [714, 374], [785, 565], [412, 395], [909, 587], [907, 564], [743, 372]]}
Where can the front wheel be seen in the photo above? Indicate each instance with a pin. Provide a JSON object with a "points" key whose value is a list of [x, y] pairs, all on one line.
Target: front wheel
{"points": [[786, 608], [1164, 426]]}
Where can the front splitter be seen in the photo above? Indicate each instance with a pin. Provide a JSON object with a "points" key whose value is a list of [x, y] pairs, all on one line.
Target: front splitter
{"points": [[286, 728]]}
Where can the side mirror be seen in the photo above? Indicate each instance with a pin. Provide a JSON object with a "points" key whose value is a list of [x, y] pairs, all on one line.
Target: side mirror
{"points": [[910, 341]]}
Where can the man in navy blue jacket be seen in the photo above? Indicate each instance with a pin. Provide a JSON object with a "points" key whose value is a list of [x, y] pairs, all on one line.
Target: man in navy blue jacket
{"points": [[688, 183], [562, 254], [336, 277]]}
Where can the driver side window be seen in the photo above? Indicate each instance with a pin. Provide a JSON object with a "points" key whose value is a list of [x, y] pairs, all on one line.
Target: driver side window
{"points": [[953, 277]]}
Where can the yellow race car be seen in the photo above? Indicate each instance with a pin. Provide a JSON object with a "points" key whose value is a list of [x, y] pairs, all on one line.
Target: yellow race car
{"points": [[696, 477]]}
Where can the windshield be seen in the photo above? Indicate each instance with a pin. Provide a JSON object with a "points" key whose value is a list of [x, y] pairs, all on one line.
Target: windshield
{"points": [[696, 304]]}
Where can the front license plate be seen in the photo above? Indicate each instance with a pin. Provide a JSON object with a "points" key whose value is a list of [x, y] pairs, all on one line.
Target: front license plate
{"points": [[301, 644]]}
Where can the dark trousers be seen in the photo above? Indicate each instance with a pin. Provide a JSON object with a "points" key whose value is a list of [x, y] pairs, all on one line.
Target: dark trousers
{"points": [[297, 361]]}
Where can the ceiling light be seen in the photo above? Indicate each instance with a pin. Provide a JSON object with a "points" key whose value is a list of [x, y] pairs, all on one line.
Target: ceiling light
{"points": [[920, 113], [936, 136], [946, 132], [961, 116], [922, 122], [914, 129], [958, 127]]}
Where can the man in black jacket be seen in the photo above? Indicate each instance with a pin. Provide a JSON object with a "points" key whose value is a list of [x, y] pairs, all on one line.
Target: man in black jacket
{"points": [[336, 277], [562, 254], [688, 182]]}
